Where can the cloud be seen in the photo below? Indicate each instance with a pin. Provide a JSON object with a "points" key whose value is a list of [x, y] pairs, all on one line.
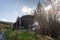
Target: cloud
{"points": [[27, 10], [48, 8]]}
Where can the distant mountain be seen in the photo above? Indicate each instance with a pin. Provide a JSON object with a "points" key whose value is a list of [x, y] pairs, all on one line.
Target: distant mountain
{"points": [[6, 23]]}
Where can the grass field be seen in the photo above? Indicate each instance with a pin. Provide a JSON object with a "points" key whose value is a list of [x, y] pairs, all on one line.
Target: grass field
{"points": [[23, 35], [19, 34]]}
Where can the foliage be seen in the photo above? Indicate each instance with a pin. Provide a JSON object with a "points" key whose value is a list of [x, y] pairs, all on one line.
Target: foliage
{"points": [[19, 35], [48, 20], [9, 35], [23, 35]]}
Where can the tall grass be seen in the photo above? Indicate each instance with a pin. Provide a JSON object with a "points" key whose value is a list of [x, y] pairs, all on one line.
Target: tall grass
{"points": [[23, 35]]}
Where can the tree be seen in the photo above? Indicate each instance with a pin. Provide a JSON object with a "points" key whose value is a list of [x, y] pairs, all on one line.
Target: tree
{"points": [[41, 18], [55, 26], [47, 22]]}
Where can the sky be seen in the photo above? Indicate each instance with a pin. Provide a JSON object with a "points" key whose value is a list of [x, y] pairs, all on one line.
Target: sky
{"points": [[11, 9]]}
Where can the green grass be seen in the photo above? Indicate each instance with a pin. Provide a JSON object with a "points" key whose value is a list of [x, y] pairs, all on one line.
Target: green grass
{"points": [[19, 35], [9, 35], [23, 35]]}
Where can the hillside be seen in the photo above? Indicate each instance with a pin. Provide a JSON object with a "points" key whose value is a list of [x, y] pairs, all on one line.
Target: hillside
{"points": [[4, 25]]}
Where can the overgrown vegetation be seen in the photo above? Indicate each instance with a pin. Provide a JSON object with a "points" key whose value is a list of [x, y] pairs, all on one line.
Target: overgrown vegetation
{"points": [[23, 35]]}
